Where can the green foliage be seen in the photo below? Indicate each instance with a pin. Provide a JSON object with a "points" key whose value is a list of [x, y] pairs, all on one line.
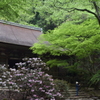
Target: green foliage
{"points": [[95, 78], [57, 63], [9, 9], [70, 39], [59, 9], [62, 86], [51, 13], [81, 43], [46, 16]]}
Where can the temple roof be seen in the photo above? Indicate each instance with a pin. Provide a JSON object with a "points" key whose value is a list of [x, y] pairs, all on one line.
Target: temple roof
{"points": [[14, 33]]}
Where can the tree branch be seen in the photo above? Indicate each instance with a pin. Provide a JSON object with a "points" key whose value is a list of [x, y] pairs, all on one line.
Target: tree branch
{"points": [[86, 10], [73, 9], [96, 15]]}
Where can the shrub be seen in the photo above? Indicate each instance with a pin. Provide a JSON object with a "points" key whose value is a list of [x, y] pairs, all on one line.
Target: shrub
{"points": [[95, 80], [31, 79], [62, 86]]}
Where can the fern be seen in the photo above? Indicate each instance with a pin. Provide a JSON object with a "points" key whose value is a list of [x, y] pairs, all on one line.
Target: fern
{"points": [[95, 78]]}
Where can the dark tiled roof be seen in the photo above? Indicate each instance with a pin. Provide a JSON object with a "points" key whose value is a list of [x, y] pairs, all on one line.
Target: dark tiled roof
{"points": [[18, 34]]}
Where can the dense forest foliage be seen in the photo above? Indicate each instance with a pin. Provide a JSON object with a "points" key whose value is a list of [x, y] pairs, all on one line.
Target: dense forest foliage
{"points": [[72, 32], [51, 13], [80, 42], [74, 43]]}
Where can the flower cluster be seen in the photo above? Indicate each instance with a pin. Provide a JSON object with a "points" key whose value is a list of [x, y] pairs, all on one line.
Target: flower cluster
{"points": [[31, 79]]}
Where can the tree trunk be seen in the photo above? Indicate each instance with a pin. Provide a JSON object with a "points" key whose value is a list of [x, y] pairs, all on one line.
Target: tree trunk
{"points": [[97, 11]]}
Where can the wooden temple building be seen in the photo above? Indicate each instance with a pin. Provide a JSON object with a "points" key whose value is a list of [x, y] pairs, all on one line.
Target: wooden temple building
{"points": [[15, 41]]}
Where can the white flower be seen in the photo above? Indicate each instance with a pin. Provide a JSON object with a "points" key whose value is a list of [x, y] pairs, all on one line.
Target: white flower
{"points": [[0, 79], [3, 76], [4, 85], [12, 69], [0, 82], [10, 86], [7, 72]]}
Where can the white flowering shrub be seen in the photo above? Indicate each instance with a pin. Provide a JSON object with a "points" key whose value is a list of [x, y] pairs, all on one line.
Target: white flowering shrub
{"points": [[30, 79]]}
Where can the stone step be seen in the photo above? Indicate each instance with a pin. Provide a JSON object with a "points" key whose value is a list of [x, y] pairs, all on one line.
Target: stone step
{"points": [[82, 99], [81, 94], [75, 91], [78, 94], [71, 90]]}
